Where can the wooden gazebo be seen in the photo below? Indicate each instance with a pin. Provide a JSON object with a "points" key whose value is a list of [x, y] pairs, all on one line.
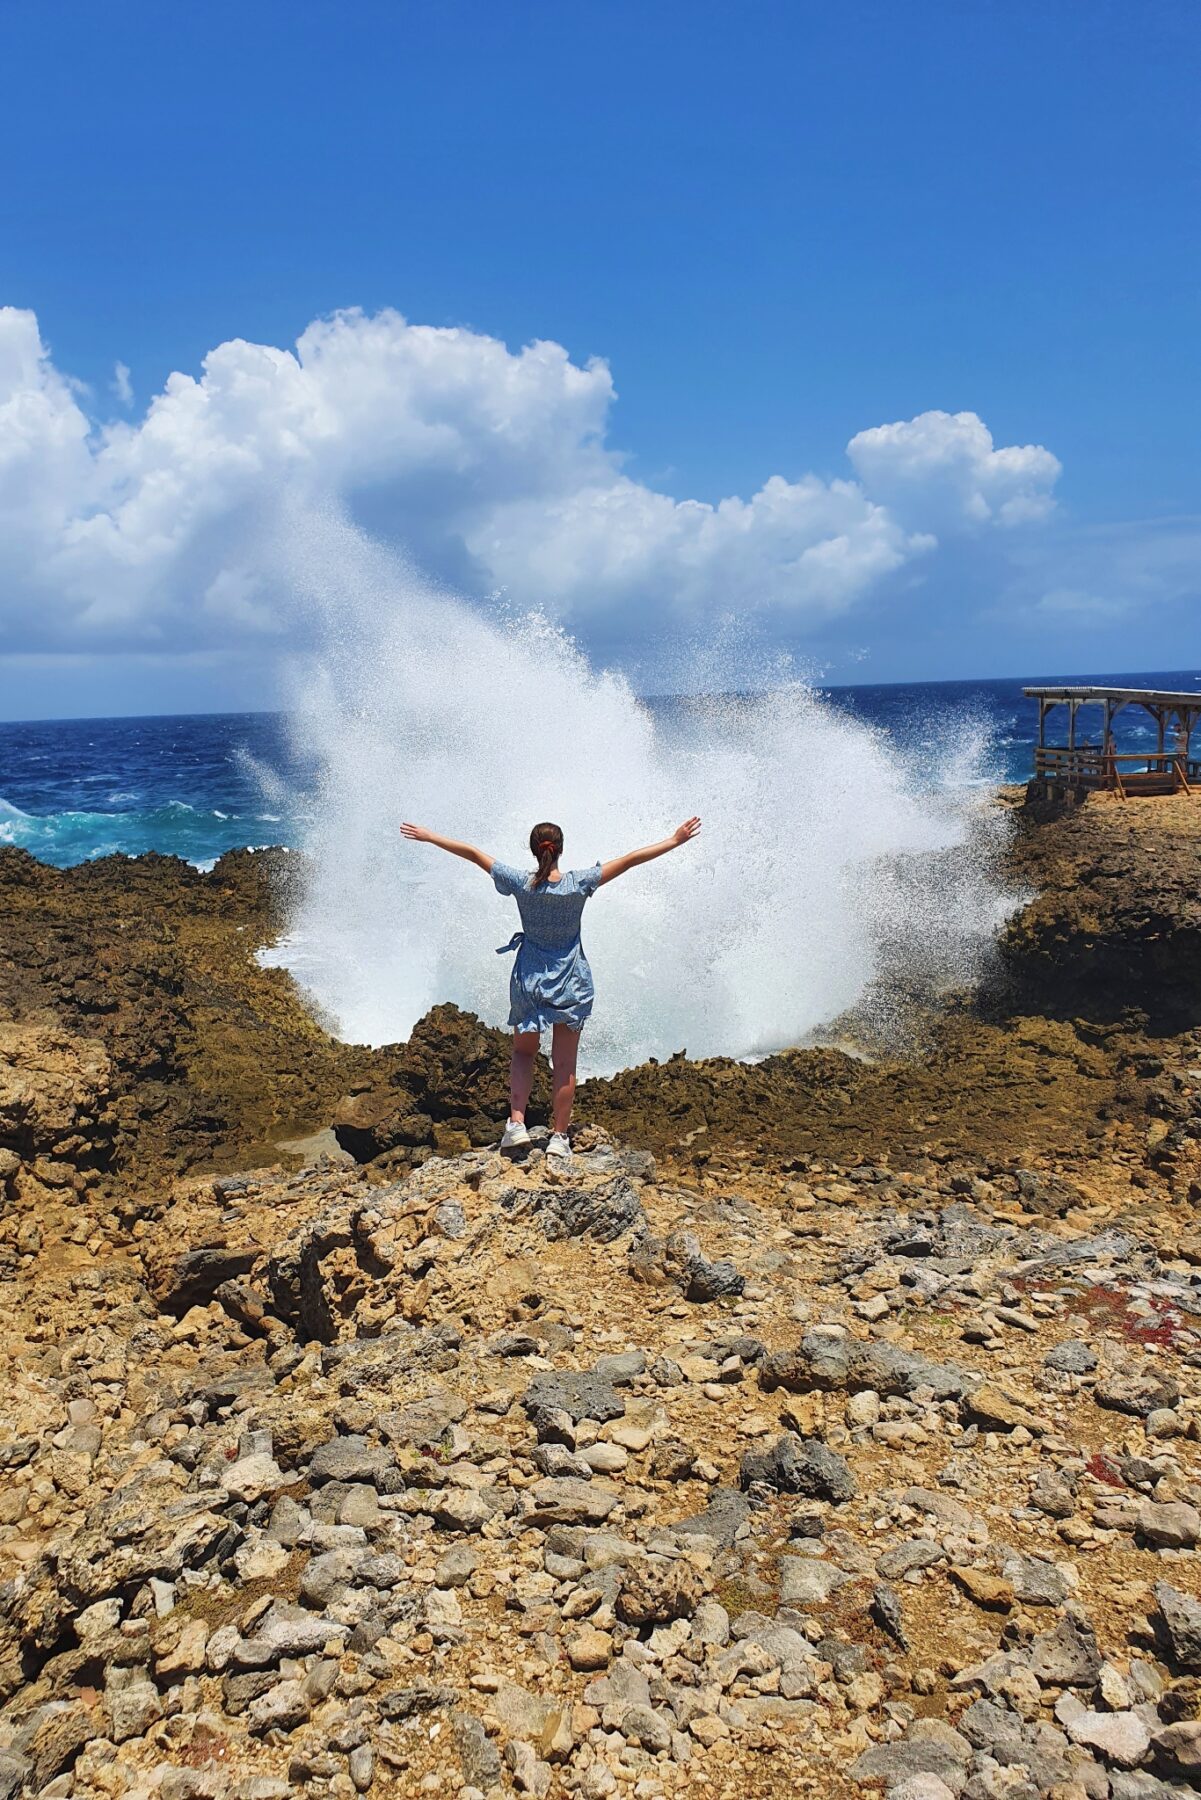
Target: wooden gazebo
{"points": [[1168, 769]]}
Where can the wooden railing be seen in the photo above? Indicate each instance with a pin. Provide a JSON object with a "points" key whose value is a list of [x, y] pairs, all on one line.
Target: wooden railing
{"points": [[1090, 766]]}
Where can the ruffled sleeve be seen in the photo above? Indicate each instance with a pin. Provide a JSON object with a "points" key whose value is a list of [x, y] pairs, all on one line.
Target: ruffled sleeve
{"points": [[507, 880], [588, 880]]}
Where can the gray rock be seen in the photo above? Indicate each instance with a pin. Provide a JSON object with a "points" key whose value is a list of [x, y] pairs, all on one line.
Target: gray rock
{"points": [[463, 1509], [785, 1645], [621, 1683], [1071, 1358], [949, 1512], [557, 1459], [344, 1503], [795, 1465], [700, 1279], [423, 1424], [722, 1518], [530, 1774], [386, 1570], [1137, 1392], [319, 1682], [478, 1755], [282, 1708], [994, 1729], [1049, 1759], [804, 1581], [711, 1623], [621, 1369], [14, 1772], [581, 1396], [133, 1703], [921, 1787], [285, 1631], [1067, 1656], [450, 1219], [363, 1365], [564, 1501], [649, 1729], [930, 1747], [1053, 1494], [605, 1213], [1171, 1525], [521, 1713], [885, 1608], [1180, 1623], [326, 1574], [836, 1364], [348, 1458], [511, 1345], [289, 1522], [1136, 1784], [1121, 1737], [360, 1767], [912, 1553], [421, 1697], [1035, 1581], [456, 1566], [197, 1274]]}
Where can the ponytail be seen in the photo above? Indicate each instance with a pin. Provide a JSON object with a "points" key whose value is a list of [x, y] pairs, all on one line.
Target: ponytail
{"points": [[546, 842]]}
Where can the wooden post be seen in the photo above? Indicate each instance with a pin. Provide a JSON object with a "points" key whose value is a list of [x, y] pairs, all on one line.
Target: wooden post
{"points": [[1108, 766]]}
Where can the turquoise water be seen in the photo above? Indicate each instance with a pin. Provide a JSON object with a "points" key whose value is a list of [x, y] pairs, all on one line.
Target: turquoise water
{"points": [[196, 786]]}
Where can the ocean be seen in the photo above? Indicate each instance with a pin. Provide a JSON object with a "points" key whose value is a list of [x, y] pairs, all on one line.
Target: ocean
{"points": [[195, 786]]}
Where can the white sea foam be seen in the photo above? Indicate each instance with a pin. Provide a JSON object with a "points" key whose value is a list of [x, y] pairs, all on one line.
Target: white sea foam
{"points": [[823, 859]]}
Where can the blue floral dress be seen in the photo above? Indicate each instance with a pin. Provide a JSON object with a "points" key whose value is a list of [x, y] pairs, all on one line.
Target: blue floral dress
{"points": [[551, 983]]}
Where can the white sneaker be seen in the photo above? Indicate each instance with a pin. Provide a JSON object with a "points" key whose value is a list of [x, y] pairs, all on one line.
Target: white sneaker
{"points": [[558, 1148], [515, 1135]]}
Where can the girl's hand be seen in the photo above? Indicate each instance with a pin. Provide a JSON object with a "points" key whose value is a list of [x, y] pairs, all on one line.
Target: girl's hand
{"points": [[418, 833], [684, 833]]}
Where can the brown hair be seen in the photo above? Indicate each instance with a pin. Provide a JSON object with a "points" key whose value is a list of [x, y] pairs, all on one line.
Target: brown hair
{"points": [[546, 841]]}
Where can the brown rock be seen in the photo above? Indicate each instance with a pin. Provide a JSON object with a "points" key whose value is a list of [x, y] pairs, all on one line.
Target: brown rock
{"points": [[590, 1649], [994, 1410], [655, 1593], [992, 1592]]}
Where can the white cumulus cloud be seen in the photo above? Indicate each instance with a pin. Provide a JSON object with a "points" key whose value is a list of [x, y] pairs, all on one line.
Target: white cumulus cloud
{"points": [[491, 466], [943, 468]]}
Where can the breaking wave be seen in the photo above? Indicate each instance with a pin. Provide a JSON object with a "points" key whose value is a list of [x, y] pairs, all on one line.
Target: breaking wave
{"points": [[827, 859]]}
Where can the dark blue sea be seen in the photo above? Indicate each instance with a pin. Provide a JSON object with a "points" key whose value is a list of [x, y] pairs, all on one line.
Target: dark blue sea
{"points": [[198, 785]]}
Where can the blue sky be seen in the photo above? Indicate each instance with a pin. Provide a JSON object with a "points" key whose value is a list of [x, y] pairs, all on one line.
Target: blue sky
{"points": [[778, 225]]}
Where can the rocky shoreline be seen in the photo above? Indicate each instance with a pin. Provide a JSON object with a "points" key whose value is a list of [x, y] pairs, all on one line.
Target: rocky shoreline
{"points": [[836, 1425]]}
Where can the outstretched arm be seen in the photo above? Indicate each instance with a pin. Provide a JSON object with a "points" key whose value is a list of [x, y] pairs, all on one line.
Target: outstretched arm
{"points": [[682, 834], [468, 852]]}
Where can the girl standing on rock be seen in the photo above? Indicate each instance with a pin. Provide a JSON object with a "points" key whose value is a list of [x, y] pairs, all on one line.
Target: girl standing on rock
{"points": [[551, 983]]}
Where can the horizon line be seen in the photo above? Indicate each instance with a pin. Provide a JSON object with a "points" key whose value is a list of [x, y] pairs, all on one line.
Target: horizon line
{"points": [[1087, 677]]}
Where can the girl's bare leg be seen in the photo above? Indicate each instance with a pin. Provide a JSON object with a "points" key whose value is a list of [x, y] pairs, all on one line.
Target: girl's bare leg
{"points": [[565, 1044], [521, 1073]]}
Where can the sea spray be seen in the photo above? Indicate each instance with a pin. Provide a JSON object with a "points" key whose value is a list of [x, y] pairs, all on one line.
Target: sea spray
{"points": [[822, 865]]}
